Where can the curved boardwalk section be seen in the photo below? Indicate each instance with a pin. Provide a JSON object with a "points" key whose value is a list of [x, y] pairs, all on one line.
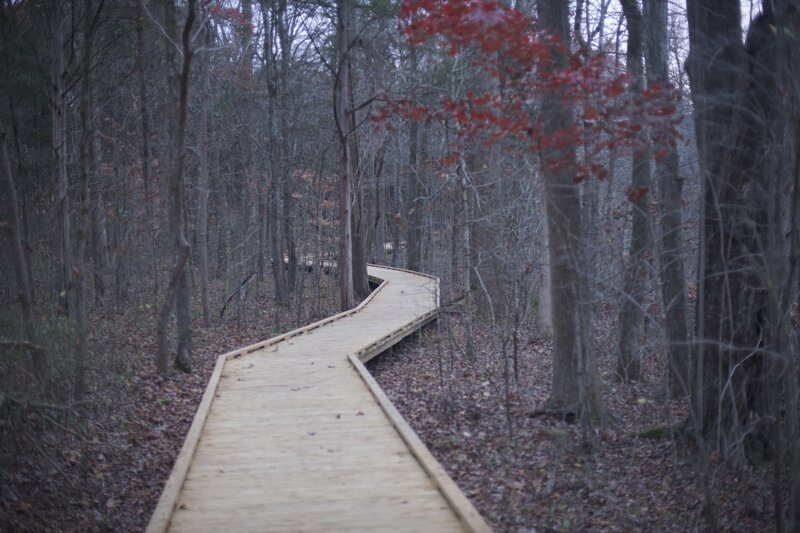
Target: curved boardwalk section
{"points": [[293, 434]]}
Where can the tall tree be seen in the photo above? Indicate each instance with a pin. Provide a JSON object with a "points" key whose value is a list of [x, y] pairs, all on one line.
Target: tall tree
{"points": [[273, 13], [98, 234], [203, 179], [414, 236], [575, 377], [670, 189], [739, 94], [88, 169], [20, 264], [357, 175], [146, 149], [177, 210], [283, 24], [637, 271], [58, 108], [340, 111]]}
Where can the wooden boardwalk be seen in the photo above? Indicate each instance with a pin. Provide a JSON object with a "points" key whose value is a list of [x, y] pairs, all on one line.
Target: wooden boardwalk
{"points": [[293, 434]]}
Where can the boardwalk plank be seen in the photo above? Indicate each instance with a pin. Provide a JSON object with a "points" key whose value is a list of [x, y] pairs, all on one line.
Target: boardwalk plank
{"points": [[294, 435]]}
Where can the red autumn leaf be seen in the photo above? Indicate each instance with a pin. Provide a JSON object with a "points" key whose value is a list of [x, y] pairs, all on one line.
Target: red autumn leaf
{"points": [[613, 91], [591, 114], [636, 193]]}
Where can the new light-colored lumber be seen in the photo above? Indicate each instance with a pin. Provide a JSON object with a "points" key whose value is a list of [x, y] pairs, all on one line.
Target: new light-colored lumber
{"points": [[461, 505], [293, 434]]}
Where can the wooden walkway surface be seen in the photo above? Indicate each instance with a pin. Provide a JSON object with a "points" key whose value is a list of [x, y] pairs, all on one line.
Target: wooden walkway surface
{"points": [[293, 434]]}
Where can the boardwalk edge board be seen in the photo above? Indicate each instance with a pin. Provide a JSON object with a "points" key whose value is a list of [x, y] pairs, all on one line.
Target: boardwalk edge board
{"points": [[466, 513], [169, 497], [461, 505]]}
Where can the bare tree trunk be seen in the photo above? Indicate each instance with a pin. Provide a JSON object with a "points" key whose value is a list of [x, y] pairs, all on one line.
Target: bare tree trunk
{"points": [[392, 207], [88, 169], [147, 168], [289, 239], [318, 260], [575, 381], [221, 270], [590, 203], [376, 240], [261, 221], [412, 218], [275, 192], [275, 233], [544, 312], [287, 188], [414, 235], [262, 230], [469, 346], [183, 319], [792, 376], [203, 190], [23, 176], [97, 218], [714, 32], [739, 120], [636, 273], [340, 96], [122, 240], [177, 205], [20, 265], [359, 224], [59, 144], [671, 254]]}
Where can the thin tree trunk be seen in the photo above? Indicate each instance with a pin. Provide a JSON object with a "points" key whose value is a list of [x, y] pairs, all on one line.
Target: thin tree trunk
{"points": [[177, 205], [318, 260], [122, 239], [671, 253], [359, 224], [97, 218], [20, 266], [88, 169], [469, 346], [203, 190], [147, 168], [375, 239], [414, 236], [590, 204], [575, 380], [289, 240], [261, 225], [183, 319], [392, 207], [59, 144], [275, 191], [276, 240], [288, 218], [636, 273], [340, 95], [221, 270], [23, 178], [544, 311], [792, 376]]}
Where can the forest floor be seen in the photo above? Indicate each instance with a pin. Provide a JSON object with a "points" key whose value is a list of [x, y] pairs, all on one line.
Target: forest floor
{"points": [[525, 472], [101, 466]]}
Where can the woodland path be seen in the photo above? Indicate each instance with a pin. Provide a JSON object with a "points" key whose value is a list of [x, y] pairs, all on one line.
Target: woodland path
{"points": [[293, 434]]}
